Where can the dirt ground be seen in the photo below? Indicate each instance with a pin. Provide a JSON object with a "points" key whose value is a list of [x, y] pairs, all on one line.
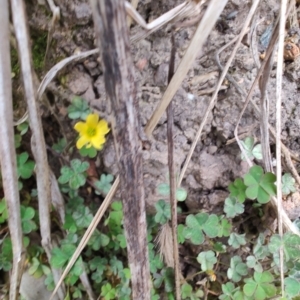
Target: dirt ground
{"points": [[214, 163]]}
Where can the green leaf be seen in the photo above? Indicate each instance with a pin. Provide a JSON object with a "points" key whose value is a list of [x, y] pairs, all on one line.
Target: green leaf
{"points": [[238, 190], [260, 186], [195, 224], [248, 144], [233, 207], [82, 217], [224, 228], [91, 152], [290, 244], [23, 128], [104, 184], [108, 292], [79, 109], [163, 189], [27, 214], [186, 291], [98, 240], [181, 194], [252, 263], [3, 211], [25, 166], [237, 269], [74, 175], [61, 256], [18, 140], [292, 286], [236, 240], [163, 212], [257, 152], [219, 247], [228, 290], [260, 287], [207, 259], [180, 236], [60, 146], [288, 184]]}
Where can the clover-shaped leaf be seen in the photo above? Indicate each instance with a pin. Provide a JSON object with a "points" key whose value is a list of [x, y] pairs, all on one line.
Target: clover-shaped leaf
{"points": [[108, 292], [91, 152], [25, 166], [228, 290], [260, 186], [288, 184], [27, 215], [60, 256], [98, 240], [236, 240], [196, 224], [260, 251], [164, 190], [233, 207], [292, 287], [237, 269], [79, 109], [60, 146], [224, 227], [290, 243], [253, 263], [74, 175], [250, 150], [207, 259], [104, 184], [82, 217], [238, 190], [23, 128], [163, 212], [260, 286]]}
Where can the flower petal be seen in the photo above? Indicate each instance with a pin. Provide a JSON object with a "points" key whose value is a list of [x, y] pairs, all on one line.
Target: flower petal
{"points": [[97, 141], [92, 120], [80, 127], [103, 127], [83, 140]]}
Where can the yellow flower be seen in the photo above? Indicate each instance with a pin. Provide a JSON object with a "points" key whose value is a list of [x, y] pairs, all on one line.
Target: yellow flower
{"points": [[91, 132]]}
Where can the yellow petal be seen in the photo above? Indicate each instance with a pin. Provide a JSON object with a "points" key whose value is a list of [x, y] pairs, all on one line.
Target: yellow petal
{"points": [[103, 127], [82, 141], [80, 127], [92, 120], [97, 141]]}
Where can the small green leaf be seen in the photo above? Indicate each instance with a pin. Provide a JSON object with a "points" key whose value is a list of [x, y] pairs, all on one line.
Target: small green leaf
{"points": [[207, 259], [260, 287], [290, 244], [288, 184], [233, 207], [60, 146], [163, 212], [252, 263], [25, 166], [257, 152], [237, 269], [195, 224], [108, 292], [237, 240], [186, 291], [292, 286], [79, 109], [104, 184], [23, 128], [238, 190], [181, 194], [163, 189], [260, 186], [91, 152], [248, 144], [224, 228]]}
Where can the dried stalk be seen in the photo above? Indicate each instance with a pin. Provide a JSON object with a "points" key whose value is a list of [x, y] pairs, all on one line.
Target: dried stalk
{"points": [[113, 37], [279, 74], [8, 155], [173, 201], [38, 142]]}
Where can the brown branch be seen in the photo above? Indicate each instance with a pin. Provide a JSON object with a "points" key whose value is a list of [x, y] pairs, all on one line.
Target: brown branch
{"points": [[113, 39]]}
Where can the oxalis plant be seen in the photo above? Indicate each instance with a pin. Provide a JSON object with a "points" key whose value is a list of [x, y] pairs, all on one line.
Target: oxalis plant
{"points": [[227, 262]]}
